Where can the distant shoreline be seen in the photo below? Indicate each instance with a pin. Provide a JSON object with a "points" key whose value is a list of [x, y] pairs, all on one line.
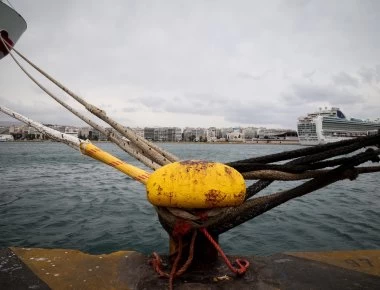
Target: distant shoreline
{"points": [[258, 142]]}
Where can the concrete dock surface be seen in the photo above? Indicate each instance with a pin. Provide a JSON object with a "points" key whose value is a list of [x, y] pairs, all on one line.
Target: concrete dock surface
{"points": [[35, 268]]}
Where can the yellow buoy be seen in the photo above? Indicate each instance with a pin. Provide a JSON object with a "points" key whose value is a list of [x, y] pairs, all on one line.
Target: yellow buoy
{"points": [[196, 184]]}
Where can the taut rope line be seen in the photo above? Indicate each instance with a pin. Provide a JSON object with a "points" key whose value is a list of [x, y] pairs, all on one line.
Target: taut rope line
{"points": [[156, 153], [131, 149], [313, 163], [286, 176], [83, 146]]}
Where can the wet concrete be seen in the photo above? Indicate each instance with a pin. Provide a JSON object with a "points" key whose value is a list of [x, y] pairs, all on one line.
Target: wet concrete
{"points": [[14, 274], [22, 268]]}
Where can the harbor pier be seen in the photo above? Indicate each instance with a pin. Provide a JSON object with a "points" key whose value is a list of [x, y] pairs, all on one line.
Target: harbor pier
{"points": [[35, 268]]}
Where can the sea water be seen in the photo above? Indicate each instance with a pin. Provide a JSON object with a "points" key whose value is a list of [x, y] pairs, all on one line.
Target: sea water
{"points": [[52, 196]]}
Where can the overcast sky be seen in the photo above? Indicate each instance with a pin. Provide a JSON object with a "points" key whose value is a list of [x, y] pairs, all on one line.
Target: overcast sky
{"points": [[199, 63]]}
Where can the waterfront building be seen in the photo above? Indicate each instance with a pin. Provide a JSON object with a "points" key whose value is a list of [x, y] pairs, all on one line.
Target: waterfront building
{"points": [[284, 134], [149, 133], [85, 133], [163, 134], [213, 134], [194, 134], [25, 132], [4, 130], [250, 133], [6, 137], [225, 131], [236, 135], [72, 131], [91, 134], [139, 131], [59, 128]]}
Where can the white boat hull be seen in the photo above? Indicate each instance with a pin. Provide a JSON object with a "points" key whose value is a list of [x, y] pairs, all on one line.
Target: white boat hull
{"points": [[12, 22]]}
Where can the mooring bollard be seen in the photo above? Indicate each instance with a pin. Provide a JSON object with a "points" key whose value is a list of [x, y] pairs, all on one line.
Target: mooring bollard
{"points": [[192, 188], [205, 252]]}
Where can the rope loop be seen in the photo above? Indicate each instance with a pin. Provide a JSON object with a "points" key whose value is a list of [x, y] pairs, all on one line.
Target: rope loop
{"points": [[242, 263]]}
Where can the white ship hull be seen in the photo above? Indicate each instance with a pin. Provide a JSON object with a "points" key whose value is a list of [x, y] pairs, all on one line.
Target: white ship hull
{"points": [[332, 126], [6, 138], [11, 22], [325, 140]]}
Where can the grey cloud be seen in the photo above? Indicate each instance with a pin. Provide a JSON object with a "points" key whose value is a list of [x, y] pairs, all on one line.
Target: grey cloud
{"points": [[161, 53], [344, 79], [370, 75], [307, 93], [245, 75], [236, 111], [253, 113], [210, 98], [296, 3], [309, 75], [41, 112], [190, 103], [129, 109], [151, 101]]}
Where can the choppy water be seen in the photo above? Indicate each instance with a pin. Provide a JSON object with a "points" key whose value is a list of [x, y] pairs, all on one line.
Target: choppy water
{"points": [[52, 196]]}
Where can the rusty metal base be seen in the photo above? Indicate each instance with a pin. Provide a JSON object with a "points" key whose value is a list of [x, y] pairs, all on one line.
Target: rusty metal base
{"points": [[22, 268]]}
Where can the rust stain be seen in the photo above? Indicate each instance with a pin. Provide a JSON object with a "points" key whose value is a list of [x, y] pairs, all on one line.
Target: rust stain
{"points": [[193, 162], [197, 165], [228, 170], [214, 197], [170, 195], [239, 195]]}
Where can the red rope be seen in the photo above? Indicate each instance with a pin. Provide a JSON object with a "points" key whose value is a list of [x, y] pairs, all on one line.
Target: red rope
{"points": [[175, 264], [191, 255], [157, 262], [242, 263], [182, 228]]}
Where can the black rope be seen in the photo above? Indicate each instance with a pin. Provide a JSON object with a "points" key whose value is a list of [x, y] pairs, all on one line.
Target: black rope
{"points": [[291, 167], [254, 207], [299, 160], [364, 141]]}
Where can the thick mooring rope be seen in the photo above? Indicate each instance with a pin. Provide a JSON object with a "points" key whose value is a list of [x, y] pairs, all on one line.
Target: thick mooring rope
{"points": [[233, 217], [125, 145], [154, 152], [311, 163], [345, 168], [83, 146], [286, 176]]}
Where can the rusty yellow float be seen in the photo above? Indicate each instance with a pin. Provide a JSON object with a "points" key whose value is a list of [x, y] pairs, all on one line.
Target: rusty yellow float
{"points": [[196, 184]]}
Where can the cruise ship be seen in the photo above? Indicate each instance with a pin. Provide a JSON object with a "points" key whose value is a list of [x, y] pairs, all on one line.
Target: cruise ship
{"points": [[331, 125]]}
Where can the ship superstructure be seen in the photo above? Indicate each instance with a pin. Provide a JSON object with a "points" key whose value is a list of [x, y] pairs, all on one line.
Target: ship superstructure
{"points": [[331, 125]]}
